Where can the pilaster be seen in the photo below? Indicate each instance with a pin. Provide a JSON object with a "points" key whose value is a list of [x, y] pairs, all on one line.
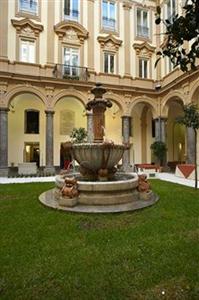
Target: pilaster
{"points": [[127, 47], [4, 142], [4, 29], [91, 21]]}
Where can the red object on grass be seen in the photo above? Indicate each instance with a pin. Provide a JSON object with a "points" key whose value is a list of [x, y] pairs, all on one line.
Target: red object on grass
{"points": [[186, 169]]}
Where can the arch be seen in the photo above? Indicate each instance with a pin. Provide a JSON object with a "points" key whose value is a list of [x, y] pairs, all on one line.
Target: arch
{"points": [[22, 90], [70, 93], [194, 90], [115, 98], [146, 100], [175, 95]]}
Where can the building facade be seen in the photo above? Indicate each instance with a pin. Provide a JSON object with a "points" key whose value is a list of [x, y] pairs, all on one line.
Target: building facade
{"points": [[53, 52]]}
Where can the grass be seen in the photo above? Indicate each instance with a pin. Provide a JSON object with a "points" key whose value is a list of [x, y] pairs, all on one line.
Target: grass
{"points": [[148, 254]]}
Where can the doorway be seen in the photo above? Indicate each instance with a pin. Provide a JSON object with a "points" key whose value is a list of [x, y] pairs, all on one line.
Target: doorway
{"points": [[32, 153]]}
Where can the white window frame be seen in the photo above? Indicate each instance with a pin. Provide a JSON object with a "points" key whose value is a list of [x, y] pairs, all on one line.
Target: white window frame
{"points": [[71, 17], [115, 17], [29, 11], [141, 25], [71, 68], [109, 62], [27, 43], [143, 60]]}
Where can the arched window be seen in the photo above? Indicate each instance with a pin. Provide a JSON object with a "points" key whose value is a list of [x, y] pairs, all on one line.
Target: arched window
{"points": [[32, 121]]}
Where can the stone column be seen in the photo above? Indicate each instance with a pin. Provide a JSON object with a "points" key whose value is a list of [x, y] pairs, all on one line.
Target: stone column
{"points": [[160, 129], [49, 142], [190, 146], [4, 30], [127, 47], [4, 142], [125, 135], [90, 40], [89, 127]]}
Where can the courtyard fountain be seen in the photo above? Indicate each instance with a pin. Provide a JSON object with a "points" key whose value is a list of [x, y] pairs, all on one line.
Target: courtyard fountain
{"points": [[98, 186]]}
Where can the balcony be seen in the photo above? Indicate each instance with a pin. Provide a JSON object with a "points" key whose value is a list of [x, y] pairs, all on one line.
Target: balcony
{"points": [[70, 72], [143, 31], [108, 24], [71, 14], [29, 6]]}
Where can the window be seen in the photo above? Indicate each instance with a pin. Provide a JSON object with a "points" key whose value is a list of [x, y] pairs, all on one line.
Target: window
{"points": [[27, 51], [143, 68], [153, 128], [29, 6], [31, 121], [109, 15], [170, 9], [71, 9], [142, 23], [109, 63], [71, 62]]}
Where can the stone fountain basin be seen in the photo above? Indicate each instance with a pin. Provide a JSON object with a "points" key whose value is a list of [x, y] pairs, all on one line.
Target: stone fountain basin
{"points": [[95, 154], [115, 192]]}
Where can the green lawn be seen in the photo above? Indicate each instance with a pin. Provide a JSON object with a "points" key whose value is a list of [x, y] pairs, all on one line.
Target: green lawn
{"points": [[149, 254]]}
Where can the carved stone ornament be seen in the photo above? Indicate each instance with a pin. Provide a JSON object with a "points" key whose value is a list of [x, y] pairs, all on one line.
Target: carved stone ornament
{"points": [[27, 27], [144, 49], [70, 30], [109, 43]]}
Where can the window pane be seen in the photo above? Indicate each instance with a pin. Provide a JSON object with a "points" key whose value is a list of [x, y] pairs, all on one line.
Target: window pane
{"points": [[32, 121], [145, 19], [75, 8], [67, 7], [24, 52], [112, 11], [139, 17], [112, 63], [31, 53], [106, 62], [140, 68], [145, 68], [105, 9]]}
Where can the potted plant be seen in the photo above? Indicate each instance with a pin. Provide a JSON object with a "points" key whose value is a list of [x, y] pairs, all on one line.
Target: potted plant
{"points": [[159, 150], [78, 135]]}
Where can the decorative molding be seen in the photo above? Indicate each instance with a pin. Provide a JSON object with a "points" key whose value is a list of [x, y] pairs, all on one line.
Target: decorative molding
{"points": [[144, 49], [109, 43], [26, 26], [127, 5], [71, 31]]}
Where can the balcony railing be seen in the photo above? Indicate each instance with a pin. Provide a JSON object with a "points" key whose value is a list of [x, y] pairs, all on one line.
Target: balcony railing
{"points": [[71, 14], [71, 72], [30, 6], [143, 31], [108, 23]]}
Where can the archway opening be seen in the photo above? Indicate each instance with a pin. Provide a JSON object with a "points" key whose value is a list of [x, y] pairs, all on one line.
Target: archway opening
{"points": [[27, 118], [143, 134], [175, 134]]}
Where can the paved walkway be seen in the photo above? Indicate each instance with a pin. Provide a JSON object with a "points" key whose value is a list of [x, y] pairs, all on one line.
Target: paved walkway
{"points": [[163, 176]]}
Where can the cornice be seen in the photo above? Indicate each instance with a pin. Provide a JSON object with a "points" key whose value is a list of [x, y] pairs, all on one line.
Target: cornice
{"points": [[61, 28], [21, 24], [109, 38]]}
